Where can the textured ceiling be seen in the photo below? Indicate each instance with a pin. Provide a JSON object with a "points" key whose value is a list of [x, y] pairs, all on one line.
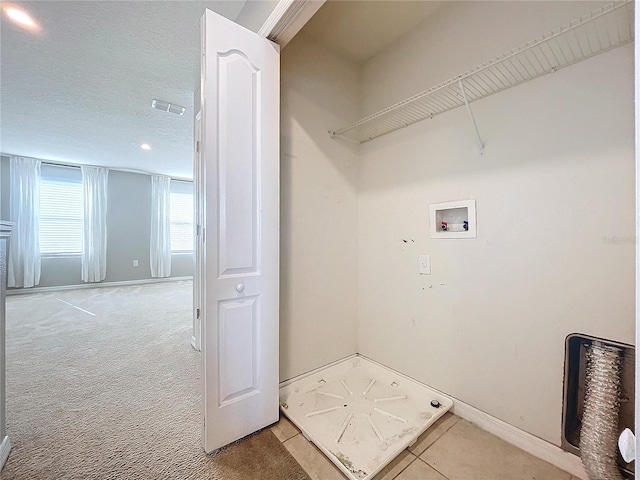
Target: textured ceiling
{"points": [[360, 29], [80, 89]]}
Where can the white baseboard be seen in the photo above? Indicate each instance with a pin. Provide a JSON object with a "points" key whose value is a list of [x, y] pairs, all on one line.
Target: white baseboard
{"points": [[525, 441], [22, 291], [5, 448]]}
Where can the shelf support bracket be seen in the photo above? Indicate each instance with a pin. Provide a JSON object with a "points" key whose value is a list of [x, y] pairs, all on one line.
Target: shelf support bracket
{"points": [[473, 119]]}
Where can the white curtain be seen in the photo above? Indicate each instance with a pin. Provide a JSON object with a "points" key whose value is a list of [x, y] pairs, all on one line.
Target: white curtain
{"points": [[94, 248], [160, 226], [24, 246]]}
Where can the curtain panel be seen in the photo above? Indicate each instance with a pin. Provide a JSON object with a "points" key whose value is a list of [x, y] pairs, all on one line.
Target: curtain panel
{"points": [[94, 248], [160, 242], [24, 246]]}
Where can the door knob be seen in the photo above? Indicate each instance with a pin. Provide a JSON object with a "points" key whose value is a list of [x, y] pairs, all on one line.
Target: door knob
{"points": [[240, 287]]}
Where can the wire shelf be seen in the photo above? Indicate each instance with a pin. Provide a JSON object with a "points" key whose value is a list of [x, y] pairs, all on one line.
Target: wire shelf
{"points": [[603, 29]]}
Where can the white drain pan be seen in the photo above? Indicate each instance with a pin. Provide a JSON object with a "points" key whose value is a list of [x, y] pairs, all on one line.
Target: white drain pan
{"points": [[361, 414]]}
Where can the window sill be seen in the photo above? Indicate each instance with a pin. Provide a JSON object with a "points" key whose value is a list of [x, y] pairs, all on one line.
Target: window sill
{"points": [[182, 252], [60, 255]]}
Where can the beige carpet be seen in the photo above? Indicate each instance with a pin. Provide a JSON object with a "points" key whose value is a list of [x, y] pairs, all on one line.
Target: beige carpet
{"points": [[115, 393]]}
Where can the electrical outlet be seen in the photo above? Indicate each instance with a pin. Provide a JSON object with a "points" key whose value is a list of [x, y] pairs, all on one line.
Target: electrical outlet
{"points": [[424, 264], [135, 263]]}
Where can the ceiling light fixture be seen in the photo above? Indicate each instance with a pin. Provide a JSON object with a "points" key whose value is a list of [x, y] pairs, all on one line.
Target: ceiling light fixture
{"points": [[20, 17], [145, 146]]}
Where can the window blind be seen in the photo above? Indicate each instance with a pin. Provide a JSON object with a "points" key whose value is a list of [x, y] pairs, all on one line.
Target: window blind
{"points": [[61, 216], [181, 214]]}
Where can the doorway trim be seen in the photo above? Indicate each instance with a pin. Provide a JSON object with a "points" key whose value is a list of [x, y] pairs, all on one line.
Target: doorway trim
{"points": [[637, 160], [288, 18]]}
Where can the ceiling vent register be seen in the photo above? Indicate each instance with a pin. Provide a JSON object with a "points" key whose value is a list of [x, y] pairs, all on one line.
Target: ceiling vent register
{"points": [[167, 107]]}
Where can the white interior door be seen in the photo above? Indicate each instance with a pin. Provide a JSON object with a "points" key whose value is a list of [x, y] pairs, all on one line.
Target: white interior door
{"points": [[240, 168]]}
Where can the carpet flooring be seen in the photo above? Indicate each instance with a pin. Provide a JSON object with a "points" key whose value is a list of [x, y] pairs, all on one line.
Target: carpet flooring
{"points": [[103, 384]]}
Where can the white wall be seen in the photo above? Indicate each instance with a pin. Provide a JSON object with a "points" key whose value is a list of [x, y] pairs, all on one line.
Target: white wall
{"points": [[318, 209], [555, 207]]}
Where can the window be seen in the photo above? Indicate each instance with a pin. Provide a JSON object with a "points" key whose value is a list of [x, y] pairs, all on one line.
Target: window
{"points": [[61, 211], [181, 216]]}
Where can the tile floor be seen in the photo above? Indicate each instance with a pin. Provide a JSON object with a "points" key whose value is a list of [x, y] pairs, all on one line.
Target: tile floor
{"points": [[452, 449]]}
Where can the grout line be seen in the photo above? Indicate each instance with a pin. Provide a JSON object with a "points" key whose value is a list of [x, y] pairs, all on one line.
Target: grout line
{"points": [[434, 429], [436, 441], [408, 464], [72, 305], [291, 438], [434, 468], [446, 431], [442, 435]]}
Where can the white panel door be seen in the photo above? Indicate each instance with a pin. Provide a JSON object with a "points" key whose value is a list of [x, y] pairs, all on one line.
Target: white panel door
{"points": [[240, 168]]}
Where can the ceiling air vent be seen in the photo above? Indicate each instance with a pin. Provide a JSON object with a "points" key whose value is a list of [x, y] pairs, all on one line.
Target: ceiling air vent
{"points": [[167, 107]]}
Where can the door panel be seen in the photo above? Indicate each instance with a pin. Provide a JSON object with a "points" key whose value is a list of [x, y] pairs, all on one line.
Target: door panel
{"points": [[240, 168], [238, 356], [239, 83]]}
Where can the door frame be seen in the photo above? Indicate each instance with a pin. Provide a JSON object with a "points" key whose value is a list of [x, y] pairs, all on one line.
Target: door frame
{"points": [[637, 160], [196, 337], [288, 18]]}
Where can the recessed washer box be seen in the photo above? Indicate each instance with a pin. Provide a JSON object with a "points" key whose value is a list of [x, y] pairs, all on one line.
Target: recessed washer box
{"points": [[453, 219], [361, 414]]}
